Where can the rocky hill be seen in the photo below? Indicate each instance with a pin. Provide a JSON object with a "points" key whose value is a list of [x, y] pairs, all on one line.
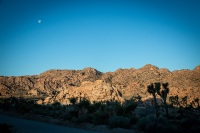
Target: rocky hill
{"points": [[60, 85]]}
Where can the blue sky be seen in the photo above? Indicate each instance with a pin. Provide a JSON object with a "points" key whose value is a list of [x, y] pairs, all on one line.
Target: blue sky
{"points": [[106, 35]]}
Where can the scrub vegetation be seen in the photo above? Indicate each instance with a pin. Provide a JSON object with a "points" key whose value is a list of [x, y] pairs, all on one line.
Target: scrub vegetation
{"points": [[176, 115]]}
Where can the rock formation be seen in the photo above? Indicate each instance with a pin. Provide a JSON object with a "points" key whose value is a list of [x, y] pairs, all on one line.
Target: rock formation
{"points": [[60, 85]]}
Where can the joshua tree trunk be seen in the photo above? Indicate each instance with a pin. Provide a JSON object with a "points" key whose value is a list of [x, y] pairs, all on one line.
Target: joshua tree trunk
{"points": [[166, 108], [155, 104]]}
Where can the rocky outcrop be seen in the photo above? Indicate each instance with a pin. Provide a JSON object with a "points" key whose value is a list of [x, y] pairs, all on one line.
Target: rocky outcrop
{"points": [[93, 91], [60, 85]]}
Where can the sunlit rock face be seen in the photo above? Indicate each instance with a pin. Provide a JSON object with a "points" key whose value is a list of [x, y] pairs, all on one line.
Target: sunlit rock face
{"points": [[93, 91], [60, 85]]}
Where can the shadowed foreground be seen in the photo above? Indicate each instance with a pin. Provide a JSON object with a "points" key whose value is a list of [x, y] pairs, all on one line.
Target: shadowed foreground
{"points": [[28, 126]]}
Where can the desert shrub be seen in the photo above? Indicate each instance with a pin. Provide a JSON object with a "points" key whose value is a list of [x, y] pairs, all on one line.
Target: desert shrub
{"points": [[54, 114], [83, 118], [164, 125], [84, 104], [118, 110], [3, 104], [24, 108], [129, 106], [125, 109], [49, 107], [189, 125], [57, 106], [71, 112], [99, 117], [119, 121], [180, 111], [73, 100], [51, 114], [133, 119], [36, 111], [96, 106], [65, 116], [114, 108], [137, 98], [141, 124], [151, 124], [36, 106]]}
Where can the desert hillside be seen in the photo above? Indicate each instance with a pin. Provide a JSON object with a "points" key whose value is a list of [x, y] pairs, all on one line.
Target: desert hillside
{"points": [[60, 85]]}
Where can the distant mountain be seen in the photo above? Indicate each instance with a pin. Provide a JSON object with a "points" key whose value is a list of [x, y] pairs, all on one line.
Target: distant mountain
{"points": [[60, 85]]}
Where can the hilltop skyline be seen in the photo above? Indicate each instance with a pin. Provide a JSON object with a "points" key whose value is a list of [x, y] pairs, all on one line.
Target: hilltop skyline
{"points": [[39, 35]]}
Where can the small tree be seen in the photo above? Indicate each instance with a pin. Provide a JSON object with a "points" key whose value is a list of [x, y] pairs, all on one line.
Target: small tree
{"points": [[73, 100], [174, 101]]}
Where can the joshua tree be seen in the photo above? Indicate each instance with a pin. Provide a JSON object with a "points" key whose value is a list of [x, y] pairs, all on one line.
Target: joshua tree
{"points": [[174, 101], [152, 90], [197, 101], [156, 88], [163, 94], [184, 101]]}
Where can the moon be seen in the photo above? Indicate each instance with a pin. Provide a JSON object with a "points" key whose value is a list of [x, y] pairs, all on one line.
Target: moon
{"points": [[39, 21]]}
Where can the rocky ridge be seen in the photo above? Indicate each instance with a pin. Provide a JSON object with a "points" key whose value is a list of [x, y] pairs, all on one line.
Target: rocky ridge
{"points": [[60, 85]]}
